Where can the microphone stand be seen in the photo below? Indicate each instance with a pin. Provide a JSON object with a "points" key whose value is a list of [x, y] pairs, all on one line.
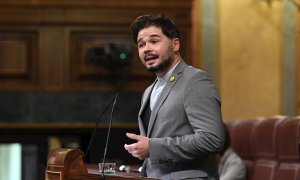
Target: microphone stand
{"points": [[97, 124], [107, 138]]}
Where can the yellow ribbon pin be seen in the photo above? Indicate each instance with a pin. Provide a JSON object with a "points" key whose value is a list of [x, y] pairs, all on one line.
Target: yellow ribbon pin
{"points": [[172, 78]]}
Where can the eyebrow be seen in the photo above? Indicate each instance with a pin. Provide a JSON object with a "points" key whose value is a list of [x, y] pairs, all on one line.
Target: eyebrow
{"points": [[151, 36]]}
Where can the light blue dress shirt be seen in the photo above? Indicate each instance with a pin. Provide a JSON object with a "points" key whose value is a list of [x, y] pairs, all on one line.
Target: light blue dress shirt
{"points": [[159, 86]]}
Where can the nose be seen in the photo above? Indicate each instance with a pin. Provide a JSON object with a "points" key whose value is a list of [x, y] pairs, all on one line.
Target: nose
{"points": [[147, 48]]}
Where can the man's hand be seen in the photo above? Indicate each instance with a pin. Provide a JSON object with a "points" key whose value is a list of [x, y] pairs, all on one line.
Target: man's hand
{"points": [[140, 149]]}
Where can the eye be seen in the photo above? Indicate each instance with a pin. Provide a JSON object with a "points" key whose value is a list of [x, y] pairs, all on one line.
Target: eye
{"points": [[140, 45], [154, 41]]}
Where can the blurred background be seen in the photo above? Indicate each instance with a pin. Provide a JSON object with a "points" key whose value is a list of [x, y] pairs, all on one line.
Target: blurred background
{"points": [[62, 62]]}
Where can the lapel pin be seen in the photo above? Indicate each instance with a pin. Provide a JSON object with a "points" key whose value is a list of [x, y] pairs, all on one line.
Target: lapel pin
{"points": [[172, 78]]}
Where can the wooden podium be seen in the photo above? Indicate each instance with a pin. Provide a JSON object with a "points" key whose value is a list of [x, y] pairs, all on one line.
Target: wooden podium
{"points": [[67, 164], [64, 164]]}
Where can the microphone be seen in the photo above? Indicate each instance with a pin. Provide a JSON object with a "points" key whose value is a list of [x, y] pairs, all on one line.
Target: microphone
{"points": [[108, 133], [97, 124]]}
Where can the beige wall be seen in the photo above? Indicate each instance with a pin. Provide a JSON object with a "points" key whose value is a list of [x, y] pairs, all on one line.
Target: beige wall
{"points": [[249, 62]]}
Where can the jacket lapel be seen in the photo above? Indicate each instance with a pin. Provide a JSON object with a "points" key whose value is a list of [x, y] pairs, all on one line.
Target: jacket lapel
{"points": [[170, 84], [145, 100]]}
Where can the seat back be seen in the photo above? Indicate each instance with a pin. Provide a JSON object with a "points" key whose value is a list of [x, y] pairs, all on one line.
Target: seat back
{"points": [[240, 135], [288, 150], [264, 143]]}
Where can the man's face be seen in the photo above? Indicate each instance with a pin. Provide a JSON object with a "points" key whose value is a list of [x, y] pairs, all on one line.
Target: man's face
{"points": [[155, 49]]}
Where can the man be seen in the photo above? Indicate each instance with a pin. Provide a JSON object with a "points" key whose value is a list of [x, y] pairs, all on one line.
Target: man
{"points": [[180, 117]]}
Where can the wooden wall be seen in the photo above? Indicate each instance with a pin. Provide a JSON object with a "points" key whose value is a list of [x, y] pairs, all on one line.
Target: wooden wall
{"points": [[46, 73], [44, 44]]}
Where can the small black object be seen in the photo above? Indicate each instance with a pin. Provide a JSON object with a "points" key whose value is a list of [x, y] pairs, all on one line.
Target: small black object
{"points": [[112, 54]]}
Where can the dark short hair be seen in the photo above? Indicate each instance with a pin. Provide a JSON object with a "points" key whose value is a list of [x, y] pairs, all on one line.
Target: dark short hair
{"points": [[165, 23]]}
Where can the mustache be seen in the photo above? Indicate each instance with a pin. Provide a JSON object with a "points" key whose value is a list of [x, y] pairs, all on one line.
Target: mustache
{"points": [[149, 56]]}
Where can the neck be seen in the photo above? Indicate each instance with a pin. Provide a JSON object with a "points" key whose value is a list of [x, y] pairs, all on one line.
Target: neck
{"points": [[176, 59]]}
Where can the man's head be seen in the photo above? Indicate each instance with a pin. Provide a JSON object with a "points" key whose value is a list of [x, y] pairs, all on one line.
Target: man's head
{"points": [[157, 38]]}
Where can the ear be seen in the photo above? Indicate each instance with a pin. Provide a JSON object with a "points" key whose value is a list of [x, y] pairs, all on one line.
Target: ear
{"points": [[176, 44]]}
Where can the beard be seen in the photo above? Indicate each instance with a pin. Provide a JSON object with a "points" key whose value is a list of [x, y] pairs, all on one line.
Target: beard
{"points": [[163, 64]]}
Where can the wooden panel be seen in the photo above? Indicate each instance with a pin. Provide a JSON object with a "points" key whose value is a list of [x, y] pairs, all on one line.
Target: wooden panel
{"points": [[13, 63], [98, 3], [53, 60], [54, 55], [97, 12], [18, 59]]}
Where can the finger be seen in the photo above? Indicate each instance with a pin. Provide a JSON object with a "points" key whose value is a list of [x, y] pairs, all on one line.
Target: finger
{"points": [[133, 136], [126, 146], [130, 147], [131, 150]]}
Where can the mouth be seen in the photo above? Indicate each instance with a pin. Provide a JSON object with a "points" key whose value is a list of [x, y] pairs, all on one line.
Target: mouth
{"points": [[149, 57]]}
